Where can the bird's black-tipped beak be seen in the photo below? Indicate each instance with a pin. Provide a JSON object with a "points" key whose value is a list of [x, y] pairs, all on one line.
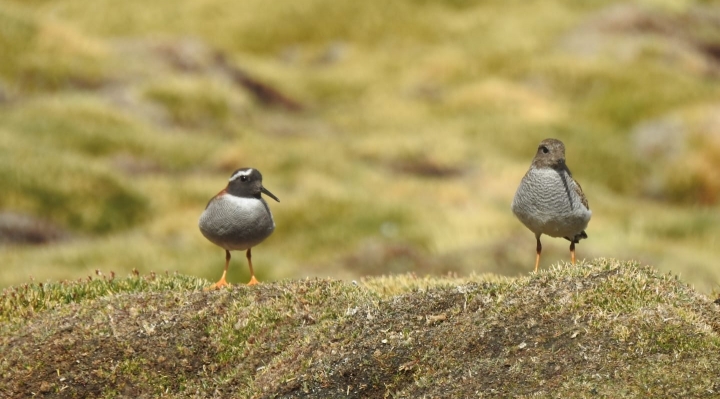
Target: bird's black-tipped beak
{"points": [[269, 194]]}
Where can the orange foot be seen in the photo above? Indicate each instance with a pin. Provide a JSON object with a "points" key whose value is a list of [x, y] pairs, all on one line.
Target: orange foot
{"points": [[218, 285], [253, 281]]}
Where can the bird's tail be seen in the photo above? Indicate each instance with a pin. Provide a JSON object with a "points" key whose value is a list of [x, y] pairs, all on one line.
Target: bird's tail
{"points": [[579, 236]]}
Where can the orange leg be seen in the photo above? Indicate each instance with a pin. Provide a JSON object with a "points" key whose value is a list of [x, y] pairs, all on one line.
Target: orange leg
{"points": [[538, 250], [572, 252], [253, 280], [222, 282]]}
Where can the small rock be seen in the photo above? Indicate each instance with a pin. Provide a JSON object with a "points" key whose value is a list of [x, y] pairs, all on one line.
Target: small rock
{"points": [[45, 387]]}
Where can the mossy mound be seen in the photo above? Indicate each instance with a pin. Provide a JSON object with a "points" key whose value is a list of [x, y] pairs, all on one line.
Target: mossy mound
{"points": [[606, 328]]}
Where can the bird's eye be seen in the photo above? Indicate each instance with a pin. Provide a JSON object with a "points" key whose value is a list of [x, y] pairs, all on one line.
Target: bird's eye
{"points": [[544, 149], [243, 178]]}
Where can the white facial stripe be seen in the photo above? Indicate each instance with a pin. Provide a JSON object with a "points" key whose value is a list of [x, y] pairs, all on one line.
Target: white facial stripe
{"points": [[241, 173]]}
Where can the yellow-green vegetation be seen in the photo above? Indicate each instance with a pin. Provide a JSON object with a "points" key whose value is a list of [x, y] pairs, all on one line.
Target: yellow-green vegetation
{"points": [[605, 328], [394, 133]]}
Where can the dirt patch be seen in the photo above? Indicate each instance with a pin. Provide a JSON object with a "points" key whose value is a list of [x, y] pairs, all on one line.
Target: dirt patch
{"points": [[18, 228]]}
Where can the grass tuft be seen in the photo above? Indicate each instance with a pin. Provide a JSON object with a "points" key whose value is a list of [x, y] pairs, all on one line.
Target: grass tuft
{"points": [[24, 301]]}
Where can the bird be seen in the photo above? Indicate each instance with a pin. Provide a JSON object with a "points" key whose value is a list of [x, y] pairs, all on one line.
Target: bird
{"points": [[238, 218], [550, 201]]}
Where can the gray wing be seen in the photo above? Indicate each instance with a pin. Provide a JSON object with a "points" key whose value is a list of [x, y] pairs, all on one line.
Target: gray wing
{"points": [[579, 191]]}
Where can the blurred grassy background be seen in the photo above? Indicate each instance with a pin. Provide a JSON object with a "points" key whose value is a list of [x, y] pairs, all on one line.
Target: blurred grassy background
{"points": [[395, 138]]}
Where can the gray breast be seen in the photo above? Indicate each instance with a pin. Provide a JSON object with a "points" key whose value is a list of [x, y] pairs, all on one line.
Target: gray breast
{"points": [[236, 223], [547, 202]]}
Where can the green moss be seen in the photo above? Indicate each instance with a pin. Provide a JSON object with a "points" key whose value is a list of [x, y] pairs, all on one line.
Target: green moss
{"points": [[604, 328], [623, 98], [64, 190], [83, 126], [44, 55], [193, 103]]}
